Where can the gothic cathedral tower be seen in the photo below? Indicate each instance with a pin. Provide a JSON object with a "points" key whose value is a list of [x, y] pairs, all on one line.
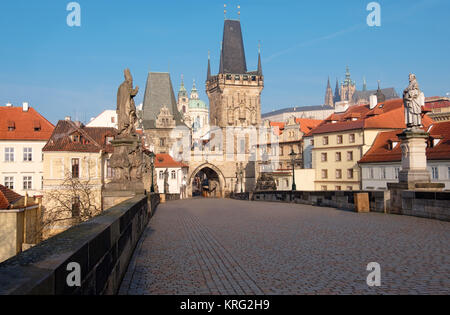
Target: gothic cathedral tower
{"points": [[234, 94]]}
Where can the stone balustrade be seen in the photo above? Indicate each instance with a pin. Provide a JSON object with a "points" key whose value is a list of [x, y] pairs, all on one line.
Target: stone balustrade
{"points": [[102, 247]]}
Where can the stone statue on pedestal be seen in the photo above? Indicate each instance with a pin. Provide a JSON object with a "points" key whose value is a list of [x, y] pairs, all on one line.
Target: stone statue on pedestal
{"points": [[128, 160], [126, 109], [413, 99]]}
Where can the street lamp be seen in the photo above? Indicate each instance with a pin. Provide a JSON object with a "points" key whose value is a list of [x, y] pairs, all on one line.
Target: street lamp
{"points": [[241, 175], [152, 163], [293, 156]]}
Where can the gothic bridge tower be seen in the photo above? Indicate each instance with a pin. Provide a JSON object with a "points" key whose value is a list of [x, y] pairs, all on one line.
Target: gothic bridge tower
{"points": [[234, 93]]}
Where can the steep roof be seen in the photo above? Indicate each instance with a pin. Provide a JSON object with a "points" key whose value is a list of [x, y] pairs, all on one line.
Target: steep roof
{"points": [[382, 151], [298, 109], [233, 54], [306, 125], [94, 138], [164, 160], [7, 197], [159, 93], [28, 125], [386, 115], [389, 93]]}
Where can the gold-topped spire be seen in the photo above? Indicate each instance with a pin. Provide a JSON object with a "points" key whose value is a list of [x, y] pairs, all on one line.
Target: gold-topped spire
{"points": [[239, 12], [225, 11]]}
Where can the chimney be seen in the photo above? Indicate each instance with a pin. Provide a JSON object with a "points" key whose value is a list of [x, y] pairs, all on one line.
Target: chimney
{"points": [[8, 104], [68, 118], [373, 101], [25, 106]]}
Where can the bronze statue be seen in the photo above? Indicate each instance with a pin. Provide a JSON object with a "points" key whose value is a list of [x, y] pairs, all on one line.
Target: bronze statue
{"points": [[126, 109], [413, 100]]}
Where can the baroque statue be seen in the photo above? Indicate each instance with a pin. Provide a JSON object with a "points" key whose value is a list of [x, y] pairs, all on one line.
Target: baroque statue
{"points": [[413, 100], [126, 108]]}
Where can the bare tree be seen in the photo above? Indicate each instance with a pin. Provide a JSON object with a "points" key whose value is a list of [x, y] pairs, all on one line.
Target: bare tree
{"points": [[70, 203]]}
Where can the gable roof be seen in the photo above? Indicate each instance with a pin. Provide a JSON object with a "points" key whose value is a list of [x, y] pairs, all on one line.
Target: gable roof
{"points": [[24, 123], [159, 93], [386, 115], [164, 160], [381, 151], [8, 197], [389, 93], [95, 136]]}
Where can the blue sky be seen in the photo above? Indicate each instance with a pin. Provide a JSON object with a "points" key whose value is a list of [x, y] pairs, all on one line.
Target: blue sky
{"points": [[76, 71]]}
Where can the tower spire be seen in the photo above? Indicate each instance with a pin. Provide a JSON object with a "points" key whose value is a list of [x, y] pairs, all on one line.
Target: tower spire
{"points": [[260, 72], [364, 84], [337, 95], [329, 94], [208, 74]]}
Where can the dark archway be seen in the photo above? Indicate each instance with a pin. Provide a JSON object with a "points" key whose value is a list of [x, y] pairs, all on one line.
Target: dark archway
{"points": [[206, 183]]}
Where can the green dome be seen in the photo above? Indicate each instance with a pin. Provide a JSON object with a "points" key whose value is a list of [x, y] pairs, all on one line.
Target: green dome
{"points": [[197, 104]]}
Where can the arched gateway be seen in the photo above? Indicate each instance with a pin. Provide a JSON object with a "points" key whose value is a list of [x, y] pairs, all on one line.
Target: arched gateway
{"points": [[207, 181]]}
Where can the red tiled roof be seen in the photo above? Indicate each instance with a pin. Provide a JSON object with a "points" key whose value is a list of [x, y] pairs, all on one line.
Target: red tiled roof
{"points": [[24, 124], [380, 152], [94, 138], [7, 197], [306, 125], [387, 115], [436, 102], [164, 160]]}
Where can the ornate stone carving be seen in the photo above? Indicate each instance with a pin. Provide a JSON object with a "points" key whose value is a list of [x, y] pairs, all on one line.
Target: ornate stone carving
{"points": [[413, 99], [265, 182]]}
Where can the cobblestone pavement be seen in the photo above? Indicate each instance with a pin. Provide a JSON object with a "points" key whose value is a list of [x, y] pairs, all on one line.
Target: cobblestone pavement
{"points": [[221, 246]]}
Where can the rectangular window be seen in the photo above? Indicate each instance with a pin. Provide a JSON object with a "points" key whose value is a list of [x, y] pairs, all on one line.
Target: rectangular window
{"points": [[161, 175], [324, 188], [162, 142], [340, 139], [351, 138], [325, 141], [435, 172], [27, 182], [27, 154], [371, 173], [324, 157], [109, 169], [9, 182], [449, 173], [338, 188], [174, 175], [324, 174], [242, 146], [397, 172], [350, 156], [383, 173], [76, 205], [350, 173], [349, 188], [338, 174], [338, 156], [9, 154], [75, 168]]}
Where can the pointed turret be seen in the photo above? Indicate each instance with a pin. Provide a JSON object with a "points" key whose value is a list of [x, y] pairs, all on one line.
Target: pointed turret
{"points": [[364, 84], [208, 73], [380, 96], [260, 72]]}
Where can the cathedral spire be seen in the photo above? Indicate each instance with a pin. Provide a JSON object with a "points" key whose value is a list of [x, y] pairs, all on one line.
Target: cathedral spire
{"points": [[329, 94], [364, 84], [337, 95]]}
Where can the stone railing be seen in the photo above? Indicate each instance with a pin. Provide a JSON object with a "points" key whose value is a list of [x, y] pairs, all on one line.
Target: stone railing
{"points": [[336, 199], [425, 204], [101, 247]]}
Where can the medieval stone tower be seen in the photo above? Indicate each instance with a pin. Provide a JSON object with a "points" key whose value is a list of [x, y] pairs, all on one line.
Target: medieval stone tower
{"points": [[234, 93]]}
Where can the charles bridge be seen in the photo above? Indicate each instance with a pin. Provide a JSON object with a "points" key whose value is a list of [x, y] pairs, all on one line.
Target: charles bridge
{"points": [[261, 243]]}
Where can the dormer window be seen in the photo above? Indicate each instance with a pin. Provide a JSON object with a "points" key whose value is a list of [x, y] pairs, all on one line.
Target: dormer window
{"points": [[37, 125], [11, 125]]}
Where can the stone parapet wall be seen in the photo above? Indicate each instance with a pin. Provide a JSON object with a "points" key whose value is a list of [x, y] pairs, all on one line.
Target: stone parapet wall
{"points": [[102, 247], [425, 204]]}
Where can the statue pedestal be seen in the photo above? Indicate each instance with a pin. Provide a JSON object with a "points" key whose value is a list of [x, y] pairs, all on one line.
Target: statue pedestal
{"points": [[414, 174], [414, 159], [126, 162]]}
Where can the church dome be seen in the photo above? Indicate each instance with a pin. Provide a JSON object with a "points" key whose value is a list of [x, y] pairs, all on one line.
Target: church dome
{"points": [[197, 104]]}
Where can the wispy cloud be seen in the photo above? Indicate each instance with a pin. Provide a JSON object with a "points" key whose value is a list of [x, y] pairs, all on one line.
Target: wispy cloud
{"points": [[314, 41]]}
